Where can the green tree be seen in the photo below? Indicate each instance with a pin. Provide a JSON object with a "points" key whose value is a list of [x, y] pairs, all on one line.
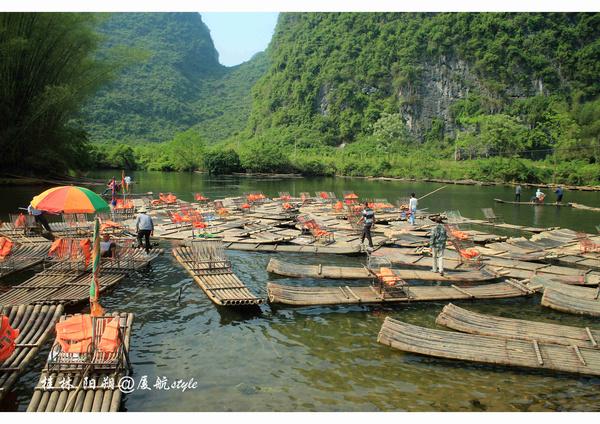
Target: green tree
{"points": [[186, 151], [47, 70], [220, 162]]}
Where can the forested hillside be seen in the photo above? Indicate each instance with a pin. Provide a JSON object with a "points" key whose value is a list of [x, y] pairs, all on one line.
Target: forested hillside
{"points": [[172, 82], [392, 93]]}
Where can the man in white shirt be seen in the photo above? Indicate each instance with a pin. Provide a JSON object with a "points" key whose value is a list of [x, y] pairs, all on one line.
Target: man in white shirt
{"points": [[145, 228], [108, 249], [39, 217], [412, 206]]}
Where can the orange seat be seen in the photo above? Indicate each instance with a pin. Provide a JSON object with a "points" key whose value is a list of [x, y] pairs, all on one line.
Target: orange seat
{"points": [[74, 335]]}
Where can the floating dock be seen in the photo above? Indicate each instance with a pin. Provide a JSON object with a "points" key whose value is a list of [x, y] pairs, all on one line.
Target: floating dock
{"points": [[36, 324], [489, 350]]}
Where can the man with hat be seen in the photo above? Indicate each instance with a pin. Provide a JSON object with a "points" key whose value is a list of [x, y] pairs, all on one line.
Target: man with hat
{"points": [[438, 245], [144, 226]]}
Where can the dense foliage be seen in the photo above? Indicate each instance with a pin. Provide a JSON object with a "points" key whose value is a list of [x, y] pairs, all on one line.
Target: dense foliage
{"points": [[174, 82], [47, 70]]}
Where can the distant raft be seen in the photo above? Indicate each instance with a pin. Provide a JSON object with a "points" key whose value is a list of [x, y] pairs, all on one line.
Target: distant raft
{"points": [[568, 205], [488, 349], [345, 295], [36, 324], [466, 321], [354, 273]]}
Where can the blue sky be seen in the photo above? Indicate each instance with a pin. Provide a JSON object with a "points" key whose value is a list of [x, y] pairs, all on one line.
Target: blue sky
{"points": [[238, 36]]}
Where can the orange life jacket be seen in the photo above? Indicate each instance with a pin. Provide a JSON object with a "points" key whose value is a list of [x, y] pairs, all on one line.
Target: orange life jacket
{"points": [[469, 253], [109, 342], [21, 221], [387, 276], [8, 335], [75, 333], [86, 248], [6, 246]]}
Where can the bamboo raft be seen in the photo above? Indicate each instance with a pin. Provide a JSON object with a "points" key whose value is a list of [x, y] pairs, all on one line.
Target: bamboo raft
{"points": [[215, 277], [470, 322], [343, 295], [354, 273], [47, 287], [69, 284], [24, 256], [35, 324], [81, 397], [574, 300], [508, 267], [488, 349], [349, 249], [568, 205], [584, 207]]}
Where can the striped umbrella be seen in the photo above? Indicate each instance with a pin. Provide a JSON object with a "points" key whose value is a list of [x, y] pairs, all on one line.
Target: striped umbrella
{"points": [[69, 199], [95, 307]]}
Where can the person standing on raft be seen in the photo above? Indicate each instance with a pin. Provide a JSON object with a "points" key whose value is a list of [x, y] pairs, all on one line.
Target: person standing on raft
{"points": [[437, 242], [39, 217], [144, 226], [368, 219], [412, 207], [518, 193], [559, 194]]}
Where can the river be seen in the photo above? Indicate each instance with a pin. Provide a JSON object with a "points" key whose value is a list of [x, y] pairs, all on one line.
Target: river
{"points": [[318, 358]]}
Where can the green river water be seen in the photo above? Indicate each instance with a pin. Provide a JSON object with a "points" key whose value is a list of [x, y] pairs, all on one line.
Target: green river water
{"points": [[317, 358]]}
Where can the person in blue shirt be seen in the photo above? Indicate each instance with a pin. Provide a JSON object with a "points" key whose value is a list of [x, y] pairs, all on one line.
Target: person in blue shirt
{"points": [[559, 194], [368, 219]]}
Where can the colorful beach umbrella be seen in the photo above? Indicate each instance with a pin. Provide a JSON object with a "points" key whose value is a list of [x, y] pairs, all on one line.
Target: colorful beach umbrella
{"points": [[95, 308], [69, 199]]}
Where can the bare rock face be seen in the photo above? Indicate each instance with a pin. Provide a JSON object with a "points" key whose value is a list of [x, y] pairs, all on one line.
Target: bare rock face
{"points": [[443, 82]]}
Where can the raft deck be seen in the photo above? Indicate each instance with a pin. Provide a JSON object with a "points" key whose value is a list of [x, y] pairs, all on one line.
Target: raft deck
{"points": [[81, 396], [489, 350], [344, 295], [35, 323], [24, 256]]}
